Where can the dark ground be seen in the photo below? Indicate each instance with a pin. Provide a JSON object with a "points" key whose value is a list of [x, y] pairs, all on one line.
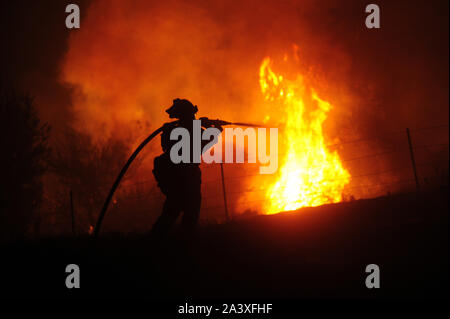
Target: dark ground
{"points": [[317, 252]]}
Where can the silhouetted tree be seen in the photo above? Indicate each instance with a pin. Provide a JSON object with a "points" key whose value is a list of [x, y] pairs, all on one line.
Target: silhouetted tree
{"points": [[24, 153], [87, 168]]}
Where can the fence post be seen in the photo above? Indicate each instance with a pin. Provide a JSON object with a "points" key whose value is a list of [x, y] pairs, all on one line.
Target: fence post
{"points": [[411, 152], [224, 192], [72, 213]]}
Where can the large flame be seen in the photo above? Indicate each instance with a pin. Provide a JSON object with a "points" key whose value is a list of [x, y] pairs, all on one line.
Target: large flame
{"points": [[310, 174]]}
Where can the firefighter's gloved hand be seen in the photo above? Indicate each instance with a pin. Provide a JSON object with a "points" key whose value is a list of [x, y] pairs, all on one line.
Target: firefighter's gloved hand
{"points": [[206, 122]]}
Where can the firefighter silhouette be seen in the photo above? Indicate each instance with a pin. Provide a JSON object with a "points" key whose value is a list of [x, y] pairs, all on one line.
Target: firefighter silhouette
{"points": [[180, 183]]}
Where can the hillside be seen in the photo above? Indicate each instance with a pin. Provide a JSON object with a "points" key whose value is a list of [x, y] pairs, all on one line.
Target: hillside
{"points": [[313, 252]]}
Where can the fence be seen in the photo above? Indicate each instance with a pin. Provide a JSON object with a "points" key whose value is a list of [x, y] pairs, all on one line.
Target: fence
{"points": [[403, 160]]}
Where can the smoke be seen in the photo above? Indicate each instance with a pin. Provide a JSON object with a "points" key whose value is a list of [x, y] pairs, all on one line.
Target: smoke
{"points": [[131, 58]]}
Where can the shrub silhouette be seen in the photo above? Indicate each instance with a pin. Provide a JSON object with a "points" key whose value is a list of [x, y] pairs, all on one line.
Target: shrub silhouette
{"points": [[24, 149]]}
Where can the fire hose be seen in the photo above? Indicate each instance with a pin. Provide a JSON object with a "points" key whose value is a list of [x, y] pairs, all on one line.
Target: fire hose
{"points": [[205, 121]]}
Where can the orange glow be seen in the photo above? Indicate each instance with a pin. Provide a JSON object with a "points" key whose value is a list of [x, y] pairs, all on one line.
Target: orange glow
{"points": [[309, 174], [125, 66]]}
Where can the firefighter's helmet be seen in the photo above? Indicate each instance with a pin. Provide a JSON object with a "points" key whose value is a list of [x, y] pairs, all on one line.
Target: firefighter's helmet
{"points": [[182, 108]]}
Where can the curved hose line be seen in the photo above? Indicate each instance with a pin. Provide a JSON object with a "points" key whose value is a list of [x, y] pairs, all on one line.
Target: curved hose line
{"points": [[119, 178]]}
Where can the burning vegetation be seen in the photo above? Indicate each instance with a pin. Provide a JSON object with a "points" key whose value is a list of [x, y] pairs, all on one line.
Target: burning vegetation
{"points": [[310, 174]]}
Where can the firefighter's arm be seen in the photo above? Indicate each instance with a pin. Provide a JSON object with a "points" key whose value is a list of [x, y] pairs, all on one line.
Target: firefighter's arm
{"points": [[207, 123], [165, 136]]}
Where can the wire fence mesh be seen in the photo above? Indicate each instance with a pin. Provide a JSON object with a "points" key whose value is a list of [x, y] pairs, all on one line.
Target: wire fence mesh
{"points": [[378, 165]]}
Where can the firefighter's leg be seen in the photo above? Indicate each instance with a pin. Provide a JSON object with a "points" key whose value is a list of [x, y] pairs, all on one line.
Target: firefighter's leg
{"points": [[191, 213], [171, 211]]}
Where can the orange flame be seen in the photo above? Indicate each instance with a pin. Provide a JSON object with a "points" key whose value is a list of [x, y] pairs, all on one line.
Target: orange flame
{"points": [[309, 175]]}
